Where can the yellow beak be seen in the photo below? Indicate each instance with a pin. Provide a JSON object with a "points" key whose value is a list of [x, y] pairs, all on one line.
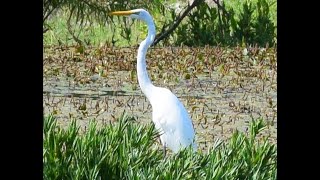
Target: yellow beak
{"points": [[121, 13]]}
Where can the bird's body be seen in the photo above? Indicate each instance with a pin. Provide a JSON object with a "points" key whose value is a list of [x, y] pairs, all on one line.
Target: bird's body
{"points": [[172, 119], [168, 113]]}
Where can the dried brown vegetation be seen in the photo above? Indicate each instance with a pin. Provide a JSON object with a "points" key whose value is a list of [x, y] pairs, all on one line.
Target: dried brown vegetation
{"points": [[222, 88]]}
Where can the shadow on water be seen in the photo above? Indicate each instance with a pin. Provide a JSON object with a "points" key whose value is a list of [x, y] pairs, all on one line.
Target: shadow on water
{"points": [[103, 93], [86, 95]]}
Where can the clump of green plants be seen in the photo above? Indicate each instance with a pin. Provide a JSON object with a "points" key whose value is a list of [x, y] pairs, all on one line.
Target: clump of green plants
{"points": [[225, 25], [126, 149]]}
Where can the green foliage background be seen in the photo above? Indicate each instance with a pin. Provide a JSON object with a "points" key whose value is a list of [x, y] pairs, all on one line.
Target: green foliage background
{"points": [[236, 22]]}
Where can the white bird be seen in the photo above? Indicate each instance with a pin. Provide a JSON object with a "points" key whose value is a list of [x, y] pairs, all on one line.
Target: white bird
{"points": [[168, 113]]}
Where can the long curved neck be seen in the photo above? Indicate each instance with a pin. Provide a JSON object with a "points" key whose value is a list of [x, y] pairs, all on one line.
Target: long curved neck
{"points": [[144, 81]]}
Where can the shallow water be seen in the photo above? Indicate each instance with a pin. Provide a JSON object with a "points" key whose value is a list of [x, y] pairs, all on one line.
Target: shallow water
{"points": [[218, 98]]}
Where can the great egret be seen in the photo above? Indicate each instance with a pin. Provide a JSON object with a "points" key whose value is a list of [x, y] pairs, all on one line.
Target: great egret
{"points": [[168, 113]]}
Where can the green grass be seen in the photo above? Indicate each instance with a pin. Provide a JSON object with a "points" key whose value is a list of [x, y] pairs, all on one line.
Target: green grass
{"points": [[128, 150], [93, 34]]}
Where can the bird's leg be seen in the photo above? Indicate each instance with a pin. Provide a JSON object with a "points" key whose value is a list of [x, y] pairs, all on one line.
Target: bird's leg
{"points": [[164, 150]]}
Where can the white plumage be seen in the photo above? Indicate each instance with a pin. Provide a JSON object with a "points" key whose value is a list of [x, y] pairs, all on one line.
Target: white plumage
{"points": [[168, 113]]}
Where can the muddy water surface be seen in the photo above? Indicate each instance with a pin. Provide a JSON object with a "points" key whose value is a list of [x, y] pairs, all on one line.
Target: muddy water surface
{"points": [[223, 89]]}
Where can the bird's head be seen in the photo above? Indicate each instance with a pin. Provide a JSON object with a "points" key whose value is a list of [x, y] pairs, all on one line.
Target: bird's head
{"points": [[134, 14]]}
